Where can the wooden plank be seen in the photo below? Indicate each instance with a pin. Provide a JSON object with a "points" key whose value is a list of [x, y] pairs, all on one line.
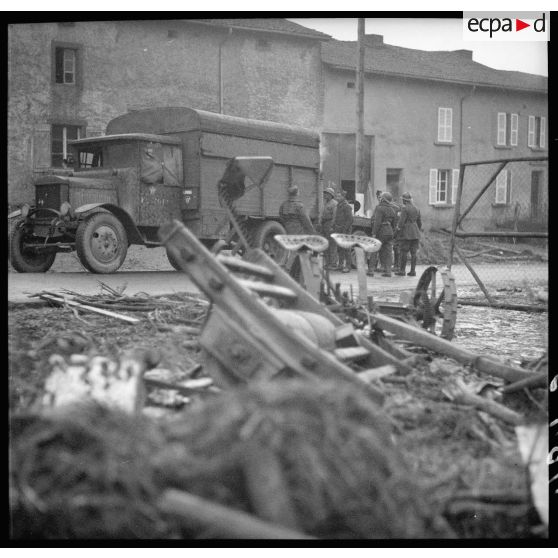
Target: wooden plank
{"points": [[61, 300], [351, 354], [421, 337], [267, 488], [221, 521]]}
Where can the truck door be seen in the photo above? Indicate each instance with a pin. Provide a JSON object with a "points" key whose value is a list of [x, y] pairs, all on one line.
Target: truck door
{"points": [[161, 183]]}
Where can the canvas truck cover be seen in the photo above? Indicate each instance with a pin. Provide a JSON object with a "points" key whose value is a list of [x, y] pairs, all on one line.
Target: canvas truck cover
{"points": [[173, 120]]}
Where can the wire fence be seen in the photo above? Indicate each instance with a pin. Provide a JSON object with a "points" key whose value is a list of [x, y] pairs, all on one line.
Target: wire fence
{"points": [[500, 225]]}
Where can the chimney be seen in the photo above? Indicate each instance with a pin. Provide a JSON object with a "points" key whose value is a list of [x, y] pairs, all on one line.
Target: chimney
{"points": [[372, 40]]}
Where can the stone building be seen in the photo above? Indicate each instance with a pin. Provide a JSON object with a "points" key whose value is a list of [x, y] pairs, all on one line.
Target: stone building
{"points": [[427, 112], [67, 80]]}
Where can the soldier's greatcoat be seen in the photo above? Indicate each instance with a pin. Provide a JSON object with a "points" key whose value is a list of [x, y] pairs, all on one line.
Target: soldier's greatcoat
{"points": [[410, 223], [328, 216], [383, 220], [294, 217], [343, 222]]}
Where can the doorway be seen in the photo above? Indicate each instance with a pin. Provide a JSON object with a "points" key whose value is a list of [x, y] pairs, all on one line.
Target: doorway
{"points": [[394, 178]]}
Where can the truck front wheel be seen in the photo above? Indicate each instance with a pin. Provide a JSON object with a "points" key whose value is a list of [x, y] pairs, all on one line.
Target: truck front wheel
{"points": [[26, 260], [264, 239], [101, 243]]}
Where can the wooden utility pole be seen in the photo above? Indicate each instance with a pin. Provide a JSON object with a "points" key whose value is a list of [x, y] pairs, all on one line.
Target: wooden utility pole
{"points": [[360, 175]]}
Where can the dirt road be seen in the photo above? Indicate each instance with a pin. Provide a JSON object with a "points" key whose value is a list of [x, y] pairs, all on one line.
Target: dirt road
{"points": [[21, 285]]}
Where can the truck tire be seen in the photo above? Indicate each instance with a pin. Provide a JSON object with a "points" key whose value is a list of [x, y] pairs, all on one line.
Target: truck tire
{"points": [[101, 243], [27, 261], [263, 238]]}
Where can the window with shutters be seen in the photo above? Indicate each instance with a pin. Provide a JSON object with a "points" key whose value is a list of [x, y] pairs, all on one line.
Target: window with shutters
{"points": [[66, 58], [536, 137], [443, 186], [445, 124], [508, 129], [60, 134], [503, 188]]}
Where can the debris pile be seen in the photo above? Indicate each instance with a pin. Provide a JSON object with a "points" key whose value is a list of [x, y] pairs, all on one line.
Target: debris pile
{"points": [[315, 458], [83, 473]]}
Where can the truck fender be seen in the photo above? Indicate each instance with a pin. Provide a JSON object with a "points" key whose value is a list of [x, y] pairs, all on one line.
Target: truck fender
{"points": [[17, 212], [134, 235]]}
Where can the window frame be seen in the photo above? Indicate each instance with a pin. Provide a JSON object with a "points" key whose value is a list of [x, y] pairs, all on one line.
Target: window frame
{"points": [[536, 136], [451, 185], [65, 151], [507, 129], [77, 64], [444, 126], [503, 183]]}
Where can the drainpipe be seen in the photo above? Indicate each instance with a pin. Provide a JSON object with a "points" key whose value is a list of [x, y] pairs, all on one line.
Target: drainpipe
{"points": [[461, 122], [221, 69]]}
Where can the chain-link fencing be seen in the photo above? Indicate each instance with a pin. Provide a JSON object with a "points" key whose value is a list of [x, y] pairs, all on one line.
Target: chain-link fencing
{"points": [[500, 225]]}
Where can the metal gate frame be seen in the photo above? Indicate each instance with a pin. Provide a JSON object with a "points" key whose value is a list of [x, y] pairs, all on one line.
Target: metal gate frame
{"points": [[458, 217]]}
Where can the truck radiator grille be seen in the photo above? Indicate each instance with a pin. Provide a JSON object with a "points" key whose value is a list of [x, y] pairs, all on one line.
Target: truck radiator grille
{"points": [[50, 196]]}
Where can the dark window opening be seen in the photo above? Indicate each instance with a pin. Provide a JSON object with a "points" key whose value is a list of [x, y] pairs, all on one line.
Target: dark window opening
{"points": [[65, 61], [394, 181], [349, 187]]}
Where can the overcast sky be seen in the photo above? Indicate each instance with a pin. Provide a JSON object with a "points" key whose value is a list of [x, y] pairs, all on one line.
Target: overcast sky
{"points": [[439, 34]]}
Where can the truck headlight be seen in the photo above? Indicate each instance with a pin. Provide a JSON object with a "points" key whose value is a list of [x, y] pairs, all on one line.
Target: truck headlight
{"points": [[25, 208], [66, 209]]}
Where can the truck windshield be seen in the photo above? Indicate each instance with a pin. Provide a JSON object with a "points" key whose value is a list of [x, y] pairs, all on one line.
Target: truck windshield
{"points": [[90, 158], [112, 155]]}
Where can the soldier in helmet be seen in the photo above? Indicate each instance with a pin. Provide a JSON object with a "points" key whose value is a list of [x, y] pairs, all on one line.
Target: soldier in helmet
{"points": [[293, 215], [383, 229], [328, 218], [409, 228], [343, 223]]}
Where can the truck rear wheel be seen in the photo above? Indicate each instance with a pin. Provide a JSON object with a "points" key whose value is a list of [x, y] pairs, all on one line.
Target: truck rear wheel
{"points": [[264, 239], [101, 243], [25, 260]]}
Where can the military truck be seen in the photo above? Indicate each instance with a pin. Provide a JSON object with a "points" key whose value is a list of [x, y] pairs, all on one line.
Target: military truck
{"points": [[151, 167]]}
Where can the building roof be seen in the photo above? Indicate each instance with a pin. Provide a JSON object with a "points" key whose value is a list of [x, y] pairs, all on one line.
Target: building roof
{"points": [[450, 66], [269, 24]]}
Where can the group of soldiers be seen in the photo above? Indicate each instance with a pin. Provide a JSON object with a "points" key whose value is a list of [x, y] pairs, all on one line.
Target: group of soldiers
{"points": [[396, 226]]}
